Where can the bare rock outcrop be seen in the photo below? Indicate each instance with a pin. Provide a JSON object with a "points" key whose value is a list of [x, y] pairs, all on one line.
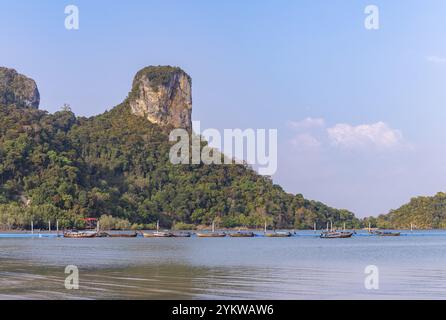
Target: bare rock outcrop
{"points": [[163, 95], [17, 89]]}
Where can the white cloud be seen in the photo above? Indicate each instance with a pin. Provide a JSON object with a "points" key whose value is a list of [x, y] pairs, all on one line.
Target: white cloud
{"points": [[436, 59], [308, 132], [307, 123], [305, 140], [314, 133], [377, 135]]}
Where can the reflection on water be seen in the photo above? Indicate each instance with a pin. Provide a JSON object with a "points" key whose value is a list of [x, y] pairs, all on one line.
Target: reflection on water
{"points": [[258, 268]]}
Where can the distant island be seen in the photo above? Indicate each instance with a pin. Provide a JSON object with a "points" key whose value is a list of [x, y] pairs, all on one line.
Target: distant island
{"points": [[116, 166], [419, 213]]}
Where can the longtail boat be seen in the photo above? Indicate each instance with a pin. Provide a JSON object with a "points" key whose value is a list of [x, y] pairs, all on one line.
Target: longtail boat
{"points": [[211, 234], [279, 234], [181, 234], [79, 235], [242, 234], [122, 235], [102, 235], [276, 234], [386, 233], [158, 234], [336, 235]]}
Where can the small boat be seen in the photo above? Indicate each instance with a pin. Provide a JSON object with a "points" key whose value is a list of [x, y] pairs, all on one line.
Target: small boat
{"points": [[158, 234], [211, 234], [181, 234], [386, 233], [122, 235], [102, 235], [79, 234], [242, 234], [280, 234], [336, 235]]}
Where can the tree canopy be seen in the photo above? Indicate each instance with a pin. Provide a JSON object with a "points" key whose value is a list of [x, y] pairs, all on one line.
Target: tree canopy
{"points": [[420, 212], [59, 166]]}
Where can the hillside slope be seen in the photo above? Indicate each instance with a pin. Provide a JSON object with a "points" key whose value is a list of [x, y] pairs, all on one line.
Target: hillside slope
{"points": [[421, 212], [59, 166]]}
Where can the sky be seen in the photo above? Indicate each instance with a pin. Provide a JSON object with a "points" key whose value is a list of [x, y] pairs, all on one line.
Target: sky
{"points": [[360, 113]]}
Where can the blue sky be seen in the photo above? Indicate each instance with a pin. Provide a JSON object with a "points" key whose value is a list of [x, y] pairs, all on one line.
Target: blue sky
{"points": [[360, 113]]}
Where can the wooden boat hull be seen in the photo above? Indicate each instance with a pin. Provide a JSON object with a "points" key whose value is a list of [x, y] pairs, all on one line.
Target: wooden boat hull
{"points": [[211, 235], [123, 235], [79, 235], [182, 235], [385, 234], [102, 235], [158, 235], [242, 235], [336, 235], [278, 235]]}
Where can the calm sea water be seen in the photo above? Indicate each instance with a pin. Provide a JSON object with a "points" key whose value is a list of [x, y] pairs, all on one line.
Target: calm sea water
{"points": [[301, 267]]}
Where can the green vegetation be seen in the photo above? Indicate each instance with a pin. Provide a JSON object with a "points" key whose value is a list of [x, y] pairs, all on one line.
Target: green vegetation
{"points": [[184, 226], [17, 89], [58, 166], [157, 75], [422, 212]]}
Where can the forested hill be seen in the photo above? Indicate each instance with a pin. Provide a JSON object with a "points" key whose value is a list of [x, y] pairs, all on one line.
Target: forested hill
{"points": [[59, 166], [420, 212]]}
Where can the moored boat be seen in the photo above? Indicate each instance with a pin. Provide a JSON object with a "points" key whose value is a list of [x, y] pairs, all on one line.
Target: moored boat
{"points": [[122, 235], [158, 234], [79, 234], [336, 235], [211, 234], [386, 233], [242, 234], [102, 235], [276, 234], [182, 234], [279, 234]]}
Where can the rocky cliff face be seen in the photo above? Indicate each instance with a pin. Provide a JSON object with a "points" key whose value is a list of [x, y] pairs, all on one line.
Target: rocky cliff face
{"points": [[17, 89], [163, 95]]}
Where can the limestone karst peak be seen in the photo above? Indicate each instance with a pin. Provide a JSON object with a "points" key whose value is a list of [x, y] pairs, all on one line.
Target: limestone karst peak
{"points": [[17, 89], [163, 95]]}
